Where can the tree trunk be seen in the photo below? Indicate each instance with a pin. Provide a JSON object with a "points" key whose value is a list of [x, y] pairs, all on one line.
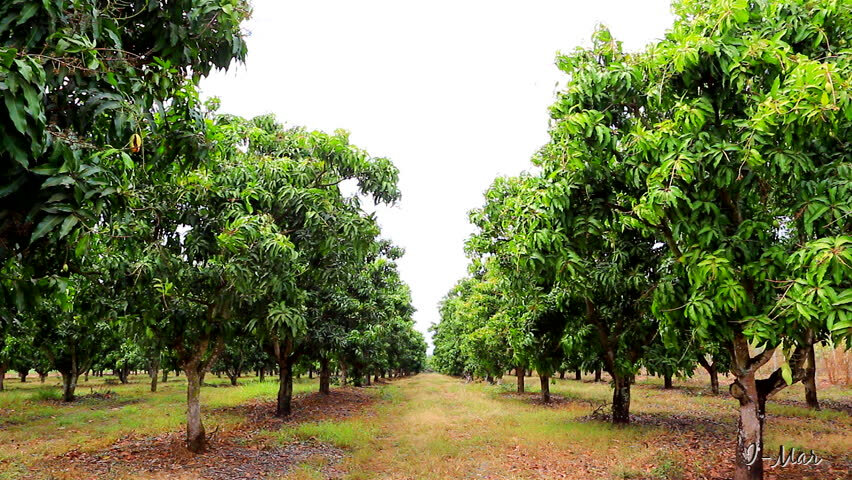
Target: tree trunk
{"points": [[714, 381], [41, 377], [810, 380], [520, 372], [154, 372], [749, 454], [2, 376], [23, 376], [285, 388], [620, 399], [261, 374], [712, 371], [667, 381], [342, 374], [196, 437], [165, 375], [578, 375], [232, 377], [310, 373], [324, 377], [545, 388], [123, 372], [561, 374], [598, 374], [69, 385]]}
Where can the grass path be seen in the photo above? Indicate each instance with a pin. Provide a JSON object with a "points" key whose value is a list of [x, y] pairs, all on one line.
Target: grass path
{"points": [[436, 427]]}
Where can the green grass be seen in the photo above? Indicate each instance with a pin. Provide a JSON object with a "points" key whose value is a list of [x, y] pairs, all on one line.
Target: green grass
{"points": [[349, 433], [39, 425]]}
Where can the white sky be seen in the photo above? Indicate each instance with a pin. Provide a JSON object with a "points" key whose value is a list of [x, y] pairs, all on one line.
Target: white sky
{"points": [[455, 93]]}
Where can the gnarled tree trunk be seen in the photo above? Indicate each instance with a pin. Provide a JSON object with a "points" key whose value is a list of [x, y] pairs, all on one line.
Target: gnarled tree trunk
{"points": [[752, 395], [749, 453]]}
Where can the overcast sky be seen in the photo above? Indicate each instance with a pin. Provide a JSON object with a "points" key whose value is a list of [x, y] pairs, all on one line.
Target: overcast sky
{"points": [[454, 92]]}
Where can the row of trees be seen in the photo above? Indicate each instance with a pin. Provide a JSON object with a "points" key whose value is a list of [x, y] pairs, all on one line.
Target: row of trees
{"points": [[484, 333], [692, 205], [137, 221]]}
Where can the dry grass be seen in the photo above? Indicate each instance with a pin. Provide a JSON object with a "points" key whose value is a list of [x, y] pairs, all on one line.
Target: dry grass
{"points": [[442, 428], [436, 427]]}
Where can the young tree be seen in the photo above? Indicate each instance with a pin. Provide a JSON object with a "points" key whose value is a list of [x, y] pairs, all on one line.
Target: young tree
{"points": [[72, 329], [208, 258]]}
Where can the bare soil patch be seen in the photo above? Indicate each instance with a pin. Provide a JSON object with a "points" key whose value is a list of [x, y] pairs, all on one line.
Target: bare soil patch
{"points": [[231, 455]]}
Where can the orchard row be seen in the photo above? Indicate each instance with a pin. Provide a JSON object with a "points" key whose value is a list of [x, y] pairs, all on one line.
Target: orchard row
{"points": [[142, 228], [693, 205]]}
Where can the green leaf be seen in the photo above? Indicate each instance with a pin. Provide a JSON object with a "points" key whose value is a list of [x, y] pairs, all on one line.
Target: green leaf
{"points": [[27, 12], [82, 245], [67, 225], [128, 162], [16, 112], [45, 226], [12, 187], [787, 373]]}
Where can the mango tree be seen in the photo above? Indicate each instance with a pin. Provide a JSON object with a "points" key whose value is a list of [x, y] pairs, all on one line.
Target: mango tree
{"points": [[733, 129], [80, 82]]}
